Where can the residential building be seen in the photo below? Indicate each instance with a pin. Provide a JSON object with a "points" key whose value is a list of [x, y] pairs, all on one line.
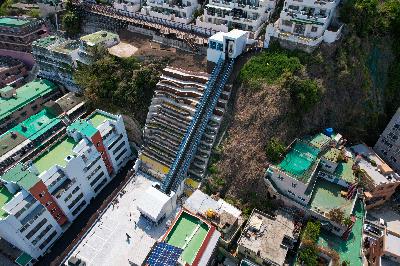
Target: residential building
{"points": [[17, 33], [379, 180], [316, 176], [175, 10], [266, 239], [392, 249], [58, 57], [127, 5], [12, 72], [18, 104], [171, 111], [23, 141], [226, 218], [373, 242], [197, 248], [245, 15], [67, 173], [388, 144], [304, 25]]}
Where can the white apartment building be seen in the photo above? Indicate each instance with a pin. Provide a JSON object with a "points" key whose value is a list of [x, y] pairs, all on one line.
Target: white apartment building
{"points": [[127, 5], [388, 144], [63, 178], [174, 10], [304, 24], [248, 15]]}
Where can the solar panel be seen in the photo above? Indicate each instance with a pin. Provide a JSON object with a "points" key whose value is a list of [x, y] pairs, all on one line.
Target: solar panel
{"points": [[164, 255]]}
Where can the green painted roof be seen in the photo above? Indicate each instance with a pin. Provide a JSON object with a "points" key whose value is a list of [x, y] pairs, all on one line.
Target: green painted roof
{"points": [[55, 155], [25, 95], [299, 160], [37, 124], [5, 196], [319, 140], [344, 170], [349, 249], [13, 22], [23, 259], [83, 127], [21, 176], [98, 37], [6, 89], [47, 41], [326, 196], [97, 119]]}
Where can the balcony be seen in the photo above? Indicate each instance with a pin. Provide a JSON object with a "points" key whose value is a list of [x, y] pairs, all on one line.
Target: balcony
{"points": [[63, 187]]}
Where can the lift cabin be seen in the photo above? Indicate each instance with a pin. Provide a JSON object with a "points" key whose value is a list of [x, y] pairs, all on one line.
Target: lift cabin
{"points": [[227, 45]]}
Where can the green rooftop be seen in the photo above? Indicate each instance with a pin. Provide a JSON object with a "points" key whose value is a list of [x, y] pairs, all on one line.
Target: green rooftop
{"points": [[299, 160], [55, 155], [99, 37], [13, 22], [319, 140], [5, 196], [348, 250], [25, 95], [83, 127], [188, 233], [47, 41], [326, 196], [344, 170], [97, 119], [23, 259], [21, 176], [332, 155]]}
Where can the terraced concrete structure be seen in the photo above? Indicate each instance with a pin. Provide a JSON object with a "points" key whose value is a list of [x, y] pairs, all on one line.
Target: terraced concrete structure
{"points": [[172, 109], [12, 72], [19, 104]]}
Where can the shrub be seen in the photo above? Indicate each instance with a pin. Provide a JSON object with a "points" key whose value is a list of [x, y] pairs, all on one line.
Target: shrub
{"points": [[274, 150], [308, 256], [311, 232], [304, 93]]}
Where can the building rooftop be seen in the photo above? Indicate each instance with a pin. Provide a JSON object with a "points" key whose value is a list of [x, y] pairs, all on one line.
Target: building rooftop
{"points": [[24, 95], [392, 244], [344, 170], [332, 155], [188, 232], [269, 237], [349, 249], [84, 127], [299, 160], [55, 155], [5, 196], [319, 141], [97, 118], [69, 101], [9, 141], [98, 37], [327, 196], [8, 61], [14, 21], [21, 176]]}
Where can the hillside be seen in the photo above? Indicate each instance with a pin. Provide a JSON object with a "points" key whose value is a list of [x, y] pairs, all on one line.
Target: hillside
{"points": [[352, 86]]}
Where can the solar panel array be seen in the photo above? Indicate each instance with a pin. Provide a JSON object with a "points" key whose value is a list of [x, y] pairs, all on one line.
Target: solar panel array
{"points": [[164, 255]]}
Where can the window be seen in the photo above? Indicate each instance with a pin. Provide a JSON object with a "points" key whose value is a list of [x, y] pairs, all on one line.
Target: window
{"points": [[48, 203], [294, 185], [314, 29], [287, 23], [220, 47], [98, 144], [41, 195], [291, 193], [280, 178]]}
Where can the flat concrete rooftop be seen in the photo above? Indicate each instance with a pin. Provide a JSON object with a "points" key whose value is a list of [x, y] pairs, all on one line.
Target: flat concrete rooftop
{"points": [[107, 243]]}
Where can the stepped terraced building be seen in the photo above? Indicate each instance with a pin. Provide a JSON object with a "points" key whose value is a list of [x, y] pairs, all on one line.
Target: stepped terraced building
{"points": [[247, 15], [12, 72], [305, 24], [170, 114], [58, 57], [40, 197], [174, 10], [19, 104]]}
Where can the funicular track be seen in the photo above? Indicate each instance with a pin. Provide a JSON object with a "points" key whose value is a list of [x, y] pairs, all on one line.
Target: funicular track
{"points": [[191, 140]]}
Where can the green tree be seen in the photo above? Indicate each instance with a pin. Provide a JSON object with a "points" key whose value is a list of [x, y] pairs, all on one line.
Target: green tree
{"points": [[311, 232], [71, 23], [308, 256], [305, 93], [274, 150]]}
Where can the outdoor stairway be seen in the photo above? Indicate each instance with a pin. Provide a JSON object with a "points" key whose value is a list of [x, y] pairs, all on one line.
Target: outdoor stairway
{"points": [[198, 125]]}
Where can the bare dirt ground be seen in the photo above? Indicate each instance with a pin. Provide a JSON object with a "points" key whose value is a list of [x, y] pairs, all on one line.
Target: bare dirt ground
{"points": [[151, 50], [123, 49]]}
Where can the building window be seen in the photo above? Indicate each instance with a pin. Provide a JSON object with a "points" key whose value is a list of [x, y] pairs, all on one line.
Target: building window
{"points": [[287, 23], [41, 195], [98, 144], [314, 29], [294, 185], [48, 203], [280, 178]]}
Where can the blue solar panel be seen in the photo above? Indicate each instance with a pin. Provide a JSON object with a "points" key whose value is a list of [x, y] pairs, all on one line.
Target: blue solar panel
{"points": [[164, 255]]}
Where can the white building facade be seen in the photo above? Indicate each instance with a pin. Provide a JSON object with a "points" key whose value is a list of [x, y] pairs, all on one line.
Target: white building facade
{"points": [[174, 10]]}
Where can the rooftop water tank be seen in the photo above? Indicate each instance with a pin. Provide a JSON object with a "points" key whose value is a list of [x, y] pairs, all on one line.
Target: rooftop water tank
{"points": [[328, 131]]}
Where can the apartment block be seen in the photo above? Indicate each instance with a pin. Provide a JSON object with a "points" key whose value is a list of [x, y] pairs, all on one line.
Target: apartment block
{"points": [[316, 176], [305, 24], [66, 174], [379, 179], [24, 141], [172, 109], [248, 15], [17, 33], [127, 5], [17, 104], [267, 239], [58, 57], [12, 72], [174, 10], [388, 144]]}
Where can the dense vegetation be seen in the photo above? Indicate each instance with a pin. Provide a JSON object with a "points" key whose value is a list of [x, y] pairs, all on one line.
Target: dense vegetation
{"points": [[308, 253], [275, 150], [71, 20], [125, 85], [7, 9]]}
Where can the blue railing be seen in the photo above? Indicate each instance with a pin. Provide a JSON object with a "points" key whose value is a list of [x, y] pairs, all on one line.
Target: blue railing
{"points": [[191, 140]]}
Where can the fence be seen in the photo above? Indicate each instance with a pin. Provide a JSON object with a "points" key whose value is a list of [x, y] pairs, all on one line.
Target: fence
{"points": [[179, 45]]}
